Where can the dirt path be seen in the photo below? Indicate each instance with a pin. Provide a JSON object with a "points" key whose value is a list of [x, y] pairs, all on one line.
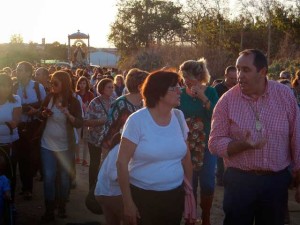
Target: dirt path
{"points": [[30, 212]]}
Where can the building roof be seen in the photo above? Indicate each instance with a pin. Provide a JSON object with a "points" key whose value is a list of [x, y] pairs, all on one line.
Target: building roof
{"points": [[78, 35]]}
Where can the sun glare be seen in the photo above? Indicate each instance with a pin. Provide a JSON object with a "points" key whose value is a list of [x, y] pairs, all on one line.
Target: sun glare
{"points": [[55, 19]]}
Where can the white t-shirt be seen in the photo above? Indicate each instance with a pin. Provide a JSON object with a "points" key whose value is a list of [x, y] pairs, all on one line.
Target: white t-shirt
{"points": [[55, 134], [107, 183], [156, 163], [6, 115]]}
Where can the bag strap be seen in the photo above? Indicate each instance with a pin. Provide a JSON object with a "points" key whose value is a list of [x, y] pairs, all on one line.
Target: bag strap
{"points": [[177, 114], [36, 88], [103, 107], [37, 91]]}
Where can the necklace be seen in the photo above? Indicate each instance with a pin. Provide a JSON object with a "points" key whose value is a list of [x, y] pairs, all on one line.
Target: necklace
{"points": [[258, 125]]}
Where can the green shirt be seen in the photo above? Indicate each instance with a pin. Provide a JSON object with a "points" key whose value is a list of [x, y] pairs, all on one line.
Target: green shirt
{"points": [[193, 107], [198, 119]]}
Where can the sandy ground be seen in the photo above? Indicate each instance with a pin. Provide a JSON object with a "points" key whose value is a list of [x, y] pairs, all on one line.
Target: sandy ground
{"points": [[30, 212]]}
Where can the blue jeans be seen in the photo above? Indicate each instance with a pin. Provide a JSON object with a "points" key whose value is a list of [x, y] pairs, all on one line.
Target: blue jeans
{"points": [[56, 164], [205, 176], [249, 197]]}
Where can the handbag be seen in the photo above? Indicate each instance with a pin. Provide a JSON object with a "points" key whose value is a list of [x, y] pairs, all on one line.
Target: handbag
{"points": [[91, 203], [190, 213]]}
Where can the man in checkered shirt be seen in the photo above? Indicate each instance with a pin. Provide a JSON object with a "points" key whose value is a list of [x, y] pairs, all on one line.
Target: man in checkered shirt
{"points": [[256, 129]]}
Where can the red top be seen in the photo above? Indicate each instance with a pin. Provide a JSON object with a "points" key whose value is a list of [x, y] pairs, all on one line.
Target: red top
{"points": [[86, 99], [279, 116]]}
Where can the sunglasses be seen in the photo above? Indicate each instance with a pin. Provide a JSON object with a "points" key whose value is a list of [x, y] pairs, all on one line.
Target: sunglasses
{"points": [[55, 83], [174, 88]]}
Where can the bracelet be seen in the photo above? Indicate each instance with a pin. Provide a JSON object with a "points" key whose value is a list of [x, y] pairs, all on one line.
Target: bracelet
{"points": [[205, 103]]}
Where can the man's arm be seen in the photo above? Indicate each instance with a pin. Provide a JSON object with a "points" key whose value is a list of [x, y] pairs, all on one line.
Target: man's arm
{"points": [[220, 143]]}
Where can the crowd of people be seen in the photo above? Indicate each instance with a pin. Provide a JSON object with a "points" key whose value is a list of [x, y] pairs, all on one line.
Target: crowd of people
{"points": [[150, 135]]}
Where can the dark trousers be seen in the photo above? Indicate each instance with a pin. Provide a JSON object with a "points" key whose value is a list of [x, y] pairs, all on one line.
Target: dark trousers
{"points": [[249, 197], [95, 156], [11, 164], [220, 169], [159, 207], [28, 154]]}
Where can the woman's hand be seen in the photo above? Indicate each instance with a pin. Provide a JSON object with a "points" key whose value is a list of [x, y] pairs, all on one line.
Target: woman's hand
{"points": [[131, 213], [47, 113], [11, 124], [198, 91]]}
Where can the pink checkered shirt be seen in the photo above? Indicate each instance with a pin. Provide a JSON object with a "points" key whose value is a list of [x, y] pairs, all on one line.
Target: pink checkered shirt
{"points": [[280, 119]]}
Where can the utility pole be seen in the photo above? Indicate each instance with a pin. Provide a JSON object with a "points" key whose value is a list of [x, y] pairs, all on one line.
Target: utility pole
{"points": [[269, 34]]}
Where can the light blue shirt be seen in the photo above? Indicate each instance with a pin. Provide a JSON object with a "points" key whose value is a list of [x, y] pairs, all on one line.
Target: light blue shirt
{"points": [[31, 95]]}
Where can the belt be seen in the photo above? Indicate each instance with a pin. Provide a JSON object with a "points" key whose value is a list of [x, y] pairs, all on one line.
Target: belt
{"points": [[258, 172]]}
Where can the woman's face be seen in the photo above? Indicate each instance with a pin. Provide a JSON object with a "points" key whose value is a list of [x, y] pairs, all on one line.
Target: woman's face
{"points": [[56, 86], [5, 91], [108, 89], [119, 81], [82, 85], [190, 81], [172, 97]]}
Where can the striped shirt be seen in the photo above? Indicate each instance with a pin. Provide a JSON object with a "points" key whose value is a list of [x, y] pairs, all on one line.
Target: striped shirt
{"points": [[279, 116]]}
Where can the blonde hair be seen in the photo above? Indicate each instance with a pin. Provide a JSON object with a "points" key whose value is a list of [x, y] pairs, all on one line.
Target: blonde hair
{"points": [[196, 69]]}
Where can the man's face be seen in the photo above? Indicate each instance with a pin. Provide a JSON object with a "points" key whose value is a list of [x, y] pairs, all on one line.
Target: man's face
{"points": [[231, 78], [41, 77], [248, 77], [22, 74]]}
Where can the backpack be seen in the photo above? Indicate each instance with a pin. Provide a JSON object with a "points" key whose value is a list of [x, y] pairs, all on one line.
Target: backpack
{"points": [[36, 88]]}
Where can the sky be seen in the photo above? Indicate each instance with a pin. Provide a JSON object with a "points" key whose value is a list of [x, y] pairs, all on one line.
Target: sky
{"points": [[54, 20]]}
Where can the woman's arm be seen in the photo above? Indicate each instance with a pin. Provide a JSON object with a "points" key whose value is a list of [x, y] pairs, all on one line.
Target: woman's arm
{"points": [[187, 165], [16, 116], [93, 114], [74, 114], [94, 122], [126, 152]]}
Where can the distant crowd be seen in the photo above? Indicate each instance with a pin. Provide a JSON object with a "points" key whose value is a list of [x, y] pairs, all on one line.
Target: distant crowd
{"points": [[151, 140]]}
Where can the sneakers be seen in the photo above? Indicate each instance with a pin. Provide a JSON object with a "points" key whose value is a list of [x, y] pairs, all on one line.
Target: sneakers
{"points": [[84, 163]]}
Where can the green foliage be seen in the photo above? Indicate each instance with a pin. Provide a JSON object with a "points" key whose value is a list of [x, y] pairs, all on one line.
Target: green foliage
{"points": [[283, 64], [16, 39], [16, 51], [144, 23], [207, 29]]}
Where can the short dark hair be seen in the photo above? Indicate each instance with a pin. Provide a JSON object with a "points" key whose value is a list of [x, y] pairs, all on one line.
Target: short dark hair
{"points": [[230, 69], [156, 86], [27, 66], [43, 71], [102, 83], [259, 60]]}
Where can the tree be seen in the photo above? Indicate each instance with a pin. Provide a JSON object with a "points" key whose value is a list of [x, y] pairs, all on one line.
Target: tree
{"points": [[16, 39], [144, 23]]}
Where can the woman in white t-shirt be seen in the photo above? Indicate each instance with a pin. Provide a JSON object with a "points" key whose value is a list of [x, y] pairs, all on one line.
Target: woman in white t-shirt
{"points": [[62, 113], [10, 114], [153, 157]]}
